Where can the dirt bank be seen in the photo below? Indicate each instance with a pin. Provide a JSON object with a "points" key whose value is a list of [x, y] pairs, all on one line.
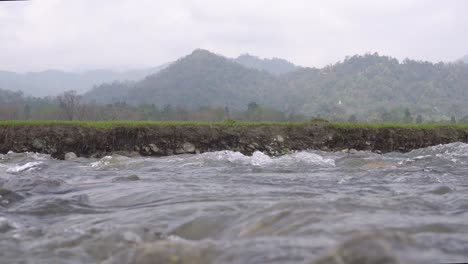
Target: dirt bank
{"points": [[155, 140]]}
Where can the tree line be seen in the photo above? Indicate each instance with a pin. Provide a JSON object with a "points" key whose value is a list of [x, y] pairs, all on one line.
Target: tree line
{"points": [[71, 106]]}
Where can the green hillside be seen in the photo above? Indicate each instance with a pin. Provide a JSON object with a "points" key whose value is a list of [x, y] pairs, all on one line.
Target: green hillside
{"points": [[369, 87]]}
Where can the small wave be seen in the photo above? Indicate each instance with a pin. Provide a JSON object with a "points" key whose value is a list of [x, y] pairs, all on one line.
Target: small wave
{"points": [[102, 162], [262, 160], [308, 158], [7, 225], [453, 152], [78, 204], [30, 166], [168, 251]]}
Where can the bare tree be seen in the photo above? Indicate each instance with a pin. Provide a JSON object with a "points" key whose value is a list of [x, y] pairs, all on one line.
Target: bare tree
{"points": [[69, 103]]}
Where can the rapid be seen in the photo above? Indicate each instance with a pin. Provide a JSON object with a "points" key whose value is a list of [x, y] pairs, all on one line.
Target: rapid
{"points": [[224, 207]]}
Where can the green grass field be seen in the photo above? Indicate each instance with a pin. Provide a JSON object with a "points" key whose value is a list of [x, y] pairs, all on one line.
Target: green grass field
{"points": [[110, 124]]}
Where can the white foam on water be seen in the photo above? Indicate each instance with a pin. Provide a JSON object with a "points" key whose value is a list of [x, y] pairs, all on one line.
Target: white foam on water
{"points": [[37, 156], [454, 152], [262, 160], [307, 158], [102, 162], [30, 166]]}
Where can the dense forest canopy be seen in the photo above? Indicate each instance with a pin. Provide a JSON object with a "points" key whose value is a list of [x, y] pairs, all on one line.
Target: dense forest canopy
{"points": [[367, 87]]}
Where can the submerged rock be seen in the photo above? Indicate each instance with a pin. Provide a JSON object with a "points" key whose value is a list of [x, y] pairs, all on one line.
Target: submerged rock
{"points": [[6, 225], [8, 197], [167, 251], [386, 247], [126, 179]]}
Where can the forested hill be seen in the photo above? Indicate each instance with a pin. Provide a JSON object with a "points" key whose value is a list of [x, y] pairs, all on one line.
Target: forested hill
{"points": [[367, 86], [274, 66], [371, 85], [199, 79]]}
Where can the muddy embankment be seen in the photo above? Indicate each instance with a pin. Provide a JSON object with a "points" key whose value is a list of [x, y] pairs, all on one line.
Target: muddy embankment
{"points": [[58, 140]]}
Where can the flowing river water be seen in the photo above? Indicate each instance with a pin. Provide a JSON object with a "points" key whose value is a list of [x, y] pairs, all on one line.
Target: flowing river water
{"points": [[224, 207]]}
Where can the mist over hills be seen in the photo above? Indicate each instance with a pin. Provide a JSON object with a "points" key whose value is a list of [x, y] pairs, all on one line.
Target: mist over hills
{"points": [[53, 82], [369, 87], [464, 59], [364, 85], [275, 66]]}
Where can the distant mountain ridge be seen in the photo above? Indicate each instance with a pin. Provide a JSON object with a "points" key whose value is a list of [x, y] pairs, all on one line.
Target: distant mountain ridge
{"points": [[275, 66], [362, 85], [53, 82], [464, 59], [201, 78]]}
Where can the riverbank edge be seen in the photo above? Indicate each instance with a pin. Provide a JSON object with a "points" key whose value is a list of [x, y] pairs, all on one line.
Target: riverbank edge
{"points": [[271, 139]]}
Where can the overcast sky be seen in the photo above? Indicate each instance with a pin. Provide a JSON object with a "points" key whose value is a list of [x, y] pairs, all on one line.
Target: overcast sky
{"points": [[90, 34]]}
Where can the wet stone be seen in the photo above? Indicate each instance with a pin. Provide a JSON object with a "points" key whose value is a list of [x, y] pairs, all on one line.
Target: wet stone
{"points": [[154, 148], [279, 139], [69, 141], [70, 156], [146, 150], [38, 144], [179, 151], [188, 147], [250, 147]]}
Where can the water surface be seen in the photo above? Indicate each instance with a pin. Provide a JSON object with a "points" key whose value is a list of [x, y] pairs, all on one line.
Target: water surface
{"points": [[224, 207]]}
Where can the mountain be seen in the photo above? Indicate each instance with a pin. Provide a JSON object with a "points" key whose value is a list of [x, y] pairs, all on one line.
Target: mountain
{"points": [[274, 66], [53, 82], [464, 59], [368, 86], [199, 79]]}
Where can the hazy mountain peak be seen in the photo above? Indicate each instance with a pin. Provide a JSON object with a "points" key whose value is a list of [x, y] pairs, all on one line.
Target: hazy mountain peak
{"points": [[275, 66], [202, 52], [464, 59]]}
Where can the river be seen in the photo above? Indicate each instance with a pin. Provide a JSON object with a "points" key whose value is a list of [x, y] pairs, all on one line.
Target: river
{"points": [[224, 207]]}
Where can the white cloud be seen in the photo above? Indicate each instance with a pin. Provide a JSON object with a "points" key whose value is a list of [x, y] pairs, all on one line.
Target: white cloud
{"points": [[3, 12], [77, 34]]}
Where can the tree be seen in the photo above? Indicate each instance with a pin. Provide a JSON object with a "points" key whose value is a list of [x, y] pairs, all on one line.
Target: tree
{"points": [[419, 119], [227, 112], [407, 118], [69, 103], [464, 120], [453, 120], [252, 106], [352, 119], [27, 111]]}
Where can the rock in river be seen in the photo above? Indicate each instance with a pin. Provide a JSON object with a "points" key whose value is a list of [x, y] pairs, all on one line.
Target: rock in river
{"points": [[70, 156]]}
